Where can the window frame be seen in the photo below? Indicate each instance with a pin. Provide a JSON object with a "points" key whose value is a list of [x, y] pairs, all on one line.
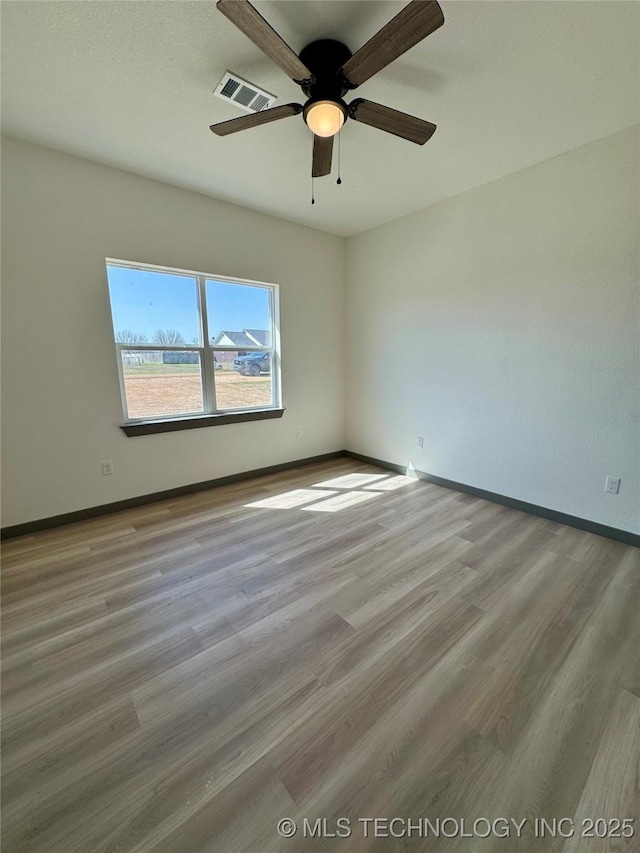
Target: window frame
{"points": [[206, 350]]}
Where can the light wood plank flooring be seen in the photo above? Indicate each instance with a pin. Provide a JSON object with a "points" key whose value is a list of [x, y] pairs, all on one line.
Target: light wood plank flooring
{"points": [[334, 641]]}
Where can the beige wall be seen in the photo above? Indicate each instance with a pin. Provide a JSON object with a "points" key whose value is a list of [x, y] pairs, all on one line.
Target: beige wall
{"points": [[60, 397], [502, 326]]}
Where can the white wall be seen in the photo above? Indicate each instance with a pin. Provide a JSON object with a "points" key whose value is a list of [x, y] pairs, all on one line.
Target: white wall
{"points": [[60, 397], [502, 325]]}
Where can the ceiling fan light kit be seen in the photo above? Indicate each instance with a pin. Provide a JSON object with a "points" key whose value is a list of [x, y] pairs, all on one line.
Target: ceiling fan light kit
{"points": [[325, 118], [326, 70]]}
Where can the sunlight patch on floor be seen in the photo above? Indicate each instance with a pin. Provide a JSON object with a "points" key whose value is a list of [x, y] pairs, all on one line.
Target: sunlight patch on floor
{"points": [[351, 481], [391, 484], [324, 497], [341, 501], [292, 499]]}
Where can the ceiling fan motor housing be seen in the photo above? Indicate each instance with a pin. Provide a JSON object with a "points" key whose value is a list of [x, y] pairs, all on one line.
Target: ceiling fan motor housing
{"points": [[324, 58]]}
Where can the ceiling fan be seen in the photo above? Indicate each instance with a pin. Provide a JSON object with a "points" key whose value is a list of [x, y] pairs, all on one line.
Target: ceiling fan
{"points": [[326, 70]]}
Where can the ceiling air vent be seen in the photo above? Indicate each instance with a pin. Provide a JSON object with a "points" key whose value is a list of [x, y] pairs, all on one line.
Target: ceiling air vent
{"points": [[243, 94]]}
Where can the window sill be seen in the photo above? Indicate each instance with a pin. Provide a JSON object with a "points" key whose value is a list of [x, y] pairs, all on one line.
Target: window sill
{"points": [[174, 424]]}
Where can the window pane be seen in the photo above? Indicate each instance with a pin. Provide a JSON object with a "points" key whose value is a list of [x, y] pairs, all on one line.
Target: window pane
{"points": [[239, 315], [152, 307], [161, 383], [242, 381]]}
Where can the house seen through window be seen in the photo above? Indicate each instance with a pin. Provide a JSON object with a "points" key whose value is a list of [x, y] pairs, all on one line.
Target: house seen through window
{"points": [[193, 344]]}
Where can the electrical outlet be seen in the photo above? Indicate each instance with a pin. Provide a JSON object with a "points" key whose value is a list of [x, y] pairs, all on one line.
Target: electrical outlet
{"points": [[420, 443], [298, 434], [107, 467], [612, 485]]}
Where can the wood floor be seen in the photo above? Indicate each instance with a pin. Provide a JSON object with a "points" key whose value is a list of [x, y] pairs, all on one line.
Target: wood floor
{"points": [[330, 642]]}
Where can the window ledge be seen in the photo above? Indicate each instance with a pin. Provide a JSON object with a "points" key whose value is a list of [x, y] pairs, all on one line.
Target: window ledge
{"points": [[174, 424]]}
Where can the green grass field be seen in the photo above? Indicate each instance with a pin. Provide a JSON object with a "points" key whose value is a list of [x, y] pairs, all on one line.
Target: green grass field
{"points": [[158, 369]]}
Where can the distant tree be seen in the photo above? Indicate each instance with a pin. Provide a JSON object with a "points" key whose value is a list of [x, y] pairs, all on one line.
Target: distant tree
{"points": [[168, 336], [126, 336]]}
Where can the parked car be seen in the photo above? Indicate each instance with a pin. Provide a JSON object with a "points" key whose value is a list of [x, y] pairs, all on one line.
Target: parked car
{"points": [[253, 364]]}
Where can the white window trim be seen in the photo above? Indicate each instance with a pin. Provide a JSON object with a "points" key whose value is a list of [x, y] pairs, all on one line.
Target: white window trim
{"points": [[207, 351]]}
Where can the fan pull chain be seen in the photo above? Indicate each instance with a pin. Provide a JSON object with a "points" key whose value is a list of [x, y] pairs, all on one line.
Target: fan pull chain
{"points": [[339, 181], [313, 200]]}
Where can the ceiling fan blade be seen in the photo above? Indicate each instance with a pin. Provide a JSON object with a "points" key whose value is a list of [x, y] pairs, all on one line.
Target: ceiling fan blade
{"points": [[415, 22], [253, 25], [392, 121], [224, 128], [322, 151]]}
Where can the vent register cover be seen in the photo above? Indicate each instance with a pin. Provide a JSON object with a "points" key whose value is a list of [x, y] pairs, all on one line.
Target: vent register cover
{"points": [[243, 94]]}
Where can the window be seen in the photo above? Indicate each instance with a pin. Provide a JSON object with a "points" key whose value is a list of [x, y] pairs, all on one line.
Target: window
{"points": [[192, 345]]}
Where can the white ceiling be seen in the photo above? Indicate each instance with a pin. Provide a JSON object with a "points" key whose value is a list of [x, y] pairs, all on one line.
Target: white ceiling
{"points": [[508, 84]]}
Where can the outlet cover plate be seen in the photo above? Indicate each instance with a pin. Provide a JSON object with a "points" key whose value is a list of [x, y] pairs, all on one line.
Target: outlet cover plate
{"points": [[612, 485]]}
